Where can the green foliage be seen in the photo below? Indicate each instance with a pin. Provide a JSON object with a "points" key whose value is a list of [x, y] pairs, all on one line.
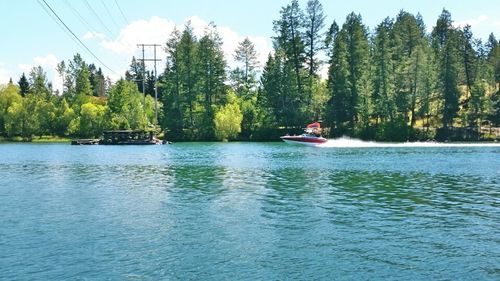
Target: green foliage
{"points": [[14, 119], [228, 120], [47, 117], [314, 23], [127, 107], [92, 120], [193, 83], [396, 130], [445, 44], [38, 83], [136, 73], [24, 85], [384, 85], [64, 115], [8, 96], [290, 58], [22, 119], [244, 76], [348, 77], [401, 83]]}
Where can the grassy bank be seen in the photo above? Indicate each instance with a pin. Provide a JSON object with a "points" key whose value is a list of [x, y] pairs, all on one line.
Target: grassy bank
{"points": [[43, 139]]}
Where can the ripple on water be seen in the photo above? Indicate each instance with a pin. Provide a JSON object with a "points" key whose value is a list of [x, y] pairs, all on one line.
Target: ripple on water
{"points": [[249, 211]]}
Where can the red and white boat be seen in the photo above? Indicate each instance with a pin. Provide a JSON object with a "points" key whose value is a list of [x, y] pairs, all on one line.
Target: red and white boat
{"points": [[311, 136]]}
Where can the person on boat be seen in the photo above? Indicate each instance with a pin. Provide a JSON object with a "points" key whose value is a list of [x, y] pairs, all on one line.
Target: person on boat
{"points": [[314, 128]]}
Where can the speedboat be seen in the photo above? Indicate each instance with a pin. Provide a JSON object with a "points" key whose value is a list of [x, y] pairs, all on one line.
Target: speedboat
{"points": [[304, 139], [311, 136]]}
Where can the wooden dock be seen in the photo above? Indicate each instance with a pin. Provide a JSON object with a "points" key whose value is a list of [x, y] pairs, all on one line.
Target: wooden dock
{"points": [[85, 141], [123, 137]]}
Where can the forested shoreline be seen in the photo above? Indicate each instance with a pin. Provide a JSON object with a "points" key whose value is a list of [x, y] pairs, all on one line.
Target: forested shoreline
{"points": [[393, 82]]}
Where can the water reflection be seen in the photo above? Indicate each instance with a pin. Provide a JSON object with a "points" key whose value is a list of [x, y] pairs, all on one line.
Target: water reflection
{"points": [[248, 211]]}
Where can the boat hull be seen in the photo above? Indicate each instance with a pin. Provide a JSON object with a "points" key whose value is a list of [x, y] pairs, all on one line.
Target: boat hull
{"points": [[304, 140]]}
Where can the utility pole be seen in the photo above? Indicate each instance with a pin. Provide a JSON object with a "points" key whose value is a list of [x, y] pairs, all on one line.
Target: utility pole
{"points": [[154, 59]]}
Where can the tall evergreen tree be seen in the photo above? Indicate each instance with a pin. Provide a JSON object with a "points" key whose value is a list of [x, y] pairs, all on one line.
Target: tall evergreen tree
{"points": [[136, 73], [61, 70], [339, 109], [278, 91], [493, 50], [150, 83], [348, 78], [97, 81], [244, 77], [494, 58], [24, 85], [173, 114], [39, 84], [188, 77], [314, 23], [314, 44], [211, 64], [445, 44], [383, 78], [330, 38], [289, 39], [408, 38]]}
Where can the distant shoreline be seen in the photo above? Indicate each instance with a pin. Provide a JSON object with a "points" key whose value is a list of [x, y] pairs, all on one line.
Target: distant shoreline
{"points": [[43, 139], [65, 140]]}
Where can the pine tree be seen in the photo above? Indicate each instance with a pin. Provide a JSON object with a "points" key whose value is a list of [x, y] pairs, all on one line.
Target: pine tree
{"points": [[314, 23], [244, 77], [211, 65], [173, 113], [24, 85], [136, 74], [289, 41], [338, 111], [188, 75], [408, 38], [39, 84], [383, 78], [445, 44], [358, 58], [273, 98], [330, 38], [494, 58]]}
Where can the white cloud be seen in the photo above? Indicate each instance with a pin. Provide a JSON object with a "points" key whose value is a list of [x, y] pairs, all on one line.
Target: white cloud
{"points": [[157, 30], [153, 31], [24, 67], [481, 25], [482, 19], [91, 35], [231, 39], [49, 64], [49, 60], [4, 74]]}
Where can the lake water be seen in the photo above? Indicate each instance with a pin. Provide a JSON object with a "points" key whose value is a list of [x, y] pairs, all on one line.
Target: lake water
{"points": [[250, 211]]}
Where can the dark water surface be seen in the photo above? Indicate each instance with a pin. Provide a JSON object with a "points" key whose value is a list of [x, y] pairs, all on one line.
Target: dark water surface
{"points": [[247, 211]]}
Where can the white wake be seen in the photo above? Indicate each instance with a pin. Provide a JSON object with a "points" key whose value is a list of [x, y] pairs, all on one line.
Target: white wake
{"points": [[354, 143]]}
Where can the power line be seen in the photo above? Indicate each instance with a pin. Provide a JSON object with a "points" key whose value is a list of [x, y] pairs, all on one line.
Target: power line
{"points": [[144, 70], [99, 18], [57, 22], [123, 15], [76, 37], [82, 19], [109, 14], [91, 27]]}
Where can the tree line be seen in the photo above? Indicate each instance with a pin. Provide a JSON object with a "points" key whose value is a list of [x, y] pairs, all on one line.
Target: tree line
{"points": [[396, 82], [88, 104]]}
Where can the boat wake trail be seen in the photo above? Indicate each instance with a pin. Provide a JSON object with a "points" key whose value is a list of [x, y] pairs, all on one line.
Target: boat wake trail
{"points": [[355, 143]]}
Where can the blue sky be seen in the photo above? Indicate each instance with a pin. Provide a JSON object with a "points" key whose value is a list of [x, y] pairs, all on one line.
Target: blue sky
{"points": [[31, 37]]}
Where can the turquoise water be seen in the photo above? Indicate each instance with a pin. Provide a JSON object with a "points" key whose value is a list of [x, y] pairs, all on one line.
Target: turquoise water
{"points": [[249, 211]]}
